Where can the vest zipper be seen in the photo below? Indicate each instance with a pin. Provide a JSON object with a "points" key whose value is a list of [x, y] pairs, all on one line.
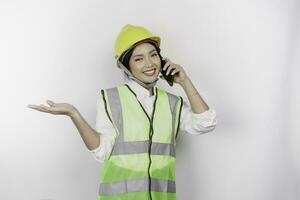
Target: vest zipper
{"points": [[150, 133], [150, 161], [150, 142]]}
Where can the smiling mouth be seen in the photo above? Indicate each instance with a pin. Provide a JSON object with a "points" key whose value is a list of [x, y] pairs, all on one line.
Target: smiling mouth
{"points": [[150, 72]]}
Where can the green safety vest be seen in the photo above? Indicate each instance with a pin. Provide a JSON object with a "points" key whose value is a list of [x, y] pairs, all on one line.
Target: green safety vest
{"points": [[142, 163]]}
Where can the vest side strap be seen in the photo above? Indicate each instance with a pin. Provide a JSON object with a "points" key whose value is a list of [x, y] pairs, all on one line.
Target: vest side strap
{"points": [[116, 110], [172, 102], [179, 116]]}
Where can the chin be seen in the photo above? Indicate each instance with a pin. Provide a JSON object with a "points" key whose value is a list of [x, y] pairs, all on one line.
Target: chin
{"points": [[150, 79]]}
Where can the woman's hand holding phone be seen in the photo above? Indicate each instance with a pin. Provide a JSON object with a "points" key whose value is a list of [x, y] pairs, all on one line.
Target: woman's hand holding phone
{"points": [[172, 72], [169, 78]]}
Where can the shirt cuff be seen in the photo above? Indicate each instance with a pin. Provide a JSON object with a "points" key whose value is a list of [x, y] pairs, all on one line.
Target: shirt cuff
{"points": [[206, 118], [98, 153], [94, 150]]}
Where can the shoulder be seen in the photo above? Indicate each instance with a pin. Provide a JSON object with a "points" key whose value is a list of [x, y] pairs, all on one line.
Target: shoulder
{"points": [[170, 95], [112, 88]]}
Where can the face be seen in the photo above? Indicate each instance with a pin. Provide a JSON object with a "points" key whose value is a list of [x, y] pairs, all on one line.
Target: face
{"points": [[145, 63]]}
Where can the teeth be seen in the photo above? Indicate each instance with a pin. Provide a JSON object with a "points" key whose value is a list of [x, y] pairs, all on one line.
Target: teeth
{"points": [[150, 72]]}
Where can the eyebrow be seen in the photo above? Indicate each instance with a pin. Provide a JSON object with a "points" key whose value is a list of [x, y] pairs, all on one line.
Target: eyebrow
{"points": [[142, 54]]}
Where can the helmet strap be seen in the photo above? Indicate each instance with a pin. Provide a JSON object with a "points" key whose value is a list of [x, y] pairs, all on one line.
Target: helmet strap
{"points": [[130, 76]]}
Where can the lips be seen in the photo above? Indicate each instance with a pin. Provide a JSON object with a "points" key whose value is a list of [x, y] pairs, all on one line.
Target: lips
{"points": [[150, 72]]}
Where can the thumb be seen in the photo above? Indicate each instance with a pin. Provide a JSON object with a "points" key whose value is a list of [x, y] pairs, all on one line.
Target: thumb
{"points": [[51, 103]]}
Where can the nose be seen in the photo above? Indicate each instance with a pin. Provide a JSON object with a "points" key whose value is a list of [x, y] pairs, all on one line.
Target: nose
{"points": [[149, 62]]}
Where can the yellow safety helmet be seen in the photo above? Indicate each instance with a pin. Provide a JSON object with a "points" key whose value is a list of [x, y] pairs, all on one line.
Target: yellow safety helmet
{"points": [[129, 36]]}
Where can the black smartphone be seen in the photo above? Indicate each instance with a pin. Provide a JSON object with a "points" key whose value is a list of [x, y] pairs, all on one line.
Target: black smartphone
{"points": [[169, 78]]}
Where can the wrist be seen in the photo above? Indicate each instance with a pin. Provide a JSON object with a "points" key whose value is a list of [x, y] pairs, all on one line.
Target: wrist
{"points": [[185, 82], [73, 113]]}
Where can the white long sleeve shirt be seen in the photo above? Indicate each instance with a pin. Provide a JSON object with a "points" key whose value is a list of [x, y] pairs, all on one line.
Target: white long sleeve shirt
{"points": [[191, 123]]}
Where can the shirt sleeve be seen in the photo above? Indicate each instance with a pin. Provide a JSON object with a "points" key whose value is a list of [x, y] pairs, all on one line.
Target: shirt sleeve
{"points": [[106, 131], [197, 123]]}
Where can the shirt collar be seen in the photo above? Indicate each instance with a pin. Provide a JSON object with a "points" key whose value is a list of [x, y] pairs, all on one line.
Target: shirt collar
{"points": [[139, 90]]}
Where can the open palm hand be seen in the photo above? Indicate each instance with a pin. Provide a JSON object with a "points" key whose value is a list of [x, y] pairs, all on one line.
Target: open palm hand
{"points": [[55, 108]]}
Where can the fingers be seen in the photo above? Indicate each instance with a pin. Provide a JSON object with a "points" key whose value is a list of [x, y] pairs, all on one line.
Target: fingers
{"points": [[51, 103], [173, 68], [175, 71], [41, 108], [45, 107], [32, 106], [169, 66], [169, 69], [167, 63]]}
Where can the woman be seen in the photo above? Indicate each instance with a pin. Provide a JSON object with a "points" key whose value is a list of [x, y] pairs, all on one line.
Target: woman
{"points": [[137, 123]]}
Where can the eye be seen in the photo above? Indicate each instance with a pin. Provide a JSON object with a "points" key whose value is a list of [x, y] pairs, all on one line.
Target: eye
{"points": [[137, 59], [155, 54]]}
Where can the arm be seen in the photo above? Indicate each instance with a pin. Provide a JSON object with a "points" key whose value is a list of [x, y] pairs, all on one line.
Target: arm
{"points": [[89, 135], [197, 123], [198, 105], [103, 126]]}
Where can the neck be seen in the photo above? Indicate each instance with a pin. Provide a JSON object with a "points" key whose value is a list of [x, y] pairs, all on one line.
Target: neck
{"points": [[150, 91]]}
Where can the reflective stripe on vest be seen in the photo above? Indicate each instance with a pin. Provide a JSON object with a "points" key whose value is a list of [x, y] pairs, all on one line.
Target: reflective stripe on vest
{"points": [[137, 186], [142, 161], [142, 147]]}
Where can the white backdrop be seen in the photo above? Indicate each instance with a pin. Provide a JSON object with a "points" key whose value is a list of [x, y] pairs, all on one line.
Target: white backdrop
{"points": [[243, 57]]}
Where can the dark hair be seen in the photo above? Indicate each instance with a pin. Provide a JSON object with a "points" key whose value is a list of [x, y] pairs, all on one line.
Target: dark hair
{"points": [[127, 54]]}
